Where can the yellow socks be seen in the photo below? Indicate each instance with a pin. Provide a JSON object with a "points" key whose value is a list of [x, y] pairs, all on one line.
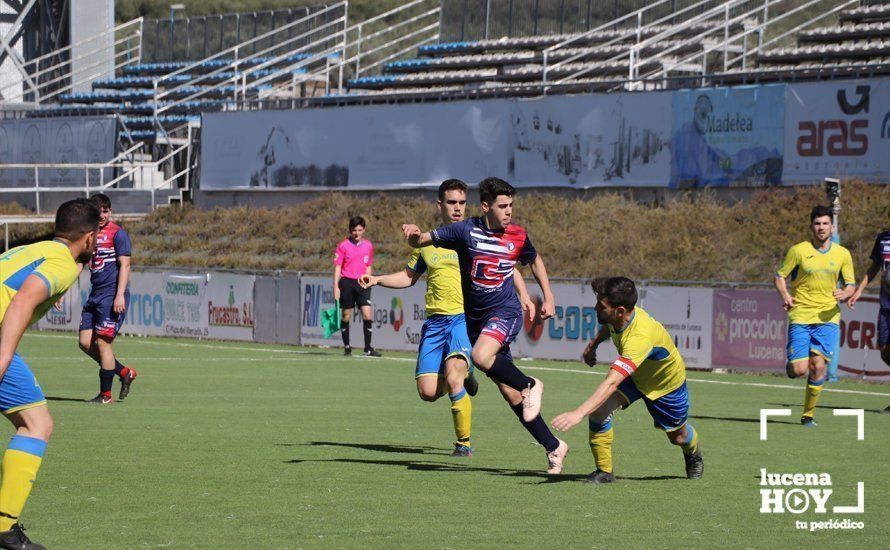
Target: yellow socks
{"points": [[462, 414], [19, 469], [601, 437], [811, 397]]}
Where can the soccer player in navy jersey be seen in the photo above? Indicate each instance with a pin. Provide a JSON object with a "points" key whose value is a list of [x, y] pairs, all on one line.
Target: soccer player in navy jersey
{"points": [[488, 249], [106, 308]]}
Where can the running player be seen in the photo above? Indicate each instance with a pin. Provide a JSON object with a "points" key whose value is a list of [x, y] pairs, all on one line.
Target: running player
{"points": [[352, 259], [33, 278], [443, 359], [880, 259], [106, 308], [648, 367], [488, 249], [814, 268]]}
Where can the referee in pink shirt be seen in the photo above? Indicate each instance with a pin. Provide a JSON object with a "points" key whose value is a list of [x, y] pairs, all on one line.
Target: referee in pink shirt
{"points": [[352, 259]]}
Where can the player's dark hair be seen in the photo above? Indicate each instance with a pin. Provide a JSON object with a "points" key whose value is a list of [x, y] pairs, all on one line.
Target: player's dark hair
{"points": [[101, 200], [356, 221], [76, 218], [451, 185], [618, 291], [491, 188], [819, 212]]}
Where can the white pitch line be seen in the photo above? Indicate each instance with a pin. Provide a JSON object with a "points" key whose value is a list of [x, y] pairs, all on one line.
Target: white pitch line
{"points": [[405, 359]]}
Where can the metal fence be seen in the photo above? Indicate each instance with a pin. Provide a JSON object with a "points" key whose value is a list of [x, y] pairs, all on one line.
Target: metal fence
{"points": [[198, 37]]}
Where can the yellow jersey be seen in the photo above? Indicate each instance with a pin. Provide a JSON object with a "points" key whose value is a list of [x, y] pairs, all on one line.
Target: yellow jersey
{"points": [[814, 274], [444, 295], [49, 260], [647, 354]]}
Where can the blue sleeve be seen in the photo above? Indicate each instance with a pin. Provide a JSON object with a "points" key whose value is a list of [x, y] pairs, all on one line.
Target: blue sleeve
{"points": [[528, 253], [450, 236], [122, 245]]}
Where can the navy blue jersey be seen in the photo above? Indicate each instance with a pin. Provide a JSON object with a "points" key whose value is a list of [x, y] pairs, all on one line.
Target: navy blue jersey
{"points": [[112, 242], [880, 254], [487, 260]]}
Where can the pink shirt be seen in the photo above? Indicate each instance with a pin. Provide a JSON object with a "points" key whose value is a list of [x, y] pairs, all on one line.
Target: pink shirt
{"points": [[353, 258]]}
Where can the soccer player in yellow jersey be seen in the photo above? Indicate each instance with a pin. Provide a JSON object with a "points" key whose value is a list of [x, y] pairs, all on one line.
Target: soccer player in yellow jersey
{"points": [[814, 267], [648, 367], [32, 279], [443, 360]]}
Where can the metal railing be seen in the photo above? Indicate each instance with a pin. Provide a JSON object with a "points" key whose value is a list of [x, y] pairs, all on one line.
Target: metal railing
{"points": [[50, 75], [244, 66]]}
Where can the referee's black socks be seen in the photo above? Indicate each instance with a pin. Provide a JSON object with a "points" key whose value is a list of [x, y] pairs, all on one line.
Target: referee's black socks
{"points": [[366, 328]]}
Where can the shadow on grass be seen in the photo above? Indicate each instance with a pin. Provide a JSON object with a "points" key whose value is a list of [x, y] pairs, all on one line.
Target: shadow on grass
{"points": [[423, 466], [828, 407], [383, 448], [75, 400], [734, 419]]}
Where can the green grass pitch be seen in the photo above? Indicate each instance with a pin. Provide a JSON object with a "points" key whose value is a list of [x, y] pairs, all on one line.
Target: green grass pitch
{"points": [[224, 445]]}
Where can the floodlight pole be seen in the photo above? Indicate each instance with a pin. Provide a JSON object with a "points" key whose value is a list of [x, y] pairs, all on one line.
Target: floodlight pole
{"points": [[833, 192]]}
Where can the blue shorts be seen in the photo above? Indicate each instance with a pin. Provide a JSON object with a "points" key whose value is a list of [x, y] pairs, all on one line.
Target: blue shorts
{"points": [[804, 340], [669, 412], [884, 327], [441, 337], [99, 316], [19, 389]]}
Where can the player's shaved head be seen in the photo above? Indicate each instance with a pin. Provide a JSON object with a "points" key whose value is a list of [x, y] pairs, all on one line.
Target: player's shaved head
{"points": [[491, 188], [76, 218], [617, 291]]}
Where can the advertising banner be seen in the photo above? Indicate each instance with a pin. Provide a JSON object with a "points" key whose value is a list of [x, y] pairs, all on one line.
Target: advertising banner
{"points": [[687, 314], [728, 136], [750, 330], [184, 311], [377, 146], [837, 128], [397, 315], [566, 334], [229, 306], [620, 139], [147, 314], [860, 353]]}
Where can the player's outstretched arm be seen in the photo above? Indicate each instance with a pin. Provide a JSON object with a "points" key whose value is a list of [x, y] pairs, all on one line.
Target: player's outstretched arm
{"points": [[415, 237], [399, 279], [18, 315], [548, 308], [870, 275], [605, 390]]}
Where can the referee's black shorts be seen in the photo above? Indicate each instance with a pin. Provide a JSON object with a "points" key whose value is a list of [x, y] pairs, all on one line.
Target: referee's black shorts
{"points": [[352, 294]]}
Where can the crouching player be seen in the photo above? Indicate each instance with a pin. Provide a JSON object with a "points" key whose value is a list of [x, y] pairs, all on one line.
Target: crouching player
{"points": [[648, 367], [34, 277]]}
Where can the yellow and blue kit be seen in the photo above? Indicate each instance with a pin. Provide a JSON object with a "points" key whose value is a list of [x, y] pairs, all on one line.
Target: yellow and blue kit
{"points": [[51, 261], [654, 370], [444, 333], [813, 322]]}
